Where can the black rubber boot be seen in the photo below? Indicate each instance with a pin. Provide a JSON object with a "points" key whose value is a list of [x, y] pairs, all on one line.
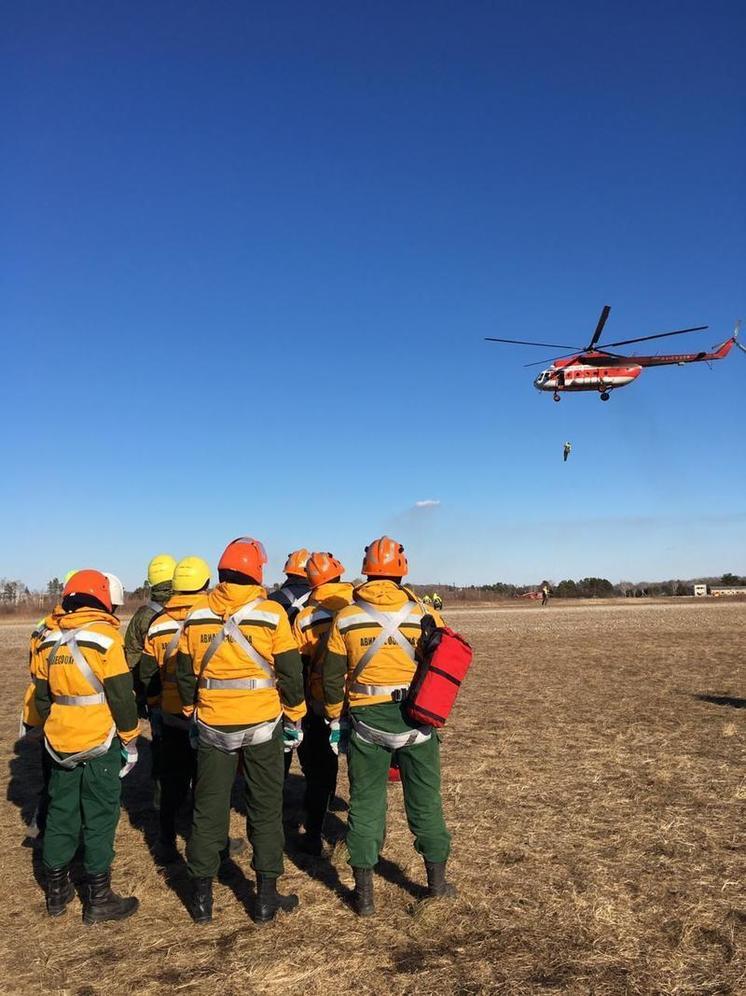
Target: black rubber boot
{"points": [[437, 886], [60, 890], [363, 891], [102, 904], [200, 902], [269, 901]]}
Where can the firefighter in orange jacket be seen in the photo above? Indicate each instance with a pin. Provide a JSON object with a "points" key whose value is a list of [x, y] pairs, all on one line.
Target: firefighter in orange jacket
{"points": [[369, 665], [311, 629], [178, 762], [84, 695], [239, 666]]}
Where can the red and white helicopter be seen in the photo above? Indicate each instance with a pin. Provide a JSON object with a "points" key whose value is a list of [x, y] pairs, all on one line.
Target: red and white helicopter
{"points": [[595, 369]]}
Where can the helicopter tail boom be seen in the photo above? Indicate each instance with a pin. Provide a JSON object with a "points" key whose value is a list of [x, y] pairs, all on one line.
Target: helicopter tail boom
{"points": [[675, 359]]}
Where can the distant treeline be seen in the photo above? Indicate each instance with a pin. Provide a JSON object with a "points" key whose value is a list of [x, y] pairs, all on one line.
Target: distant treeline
{"points": [[584, 588], [16, 597]]}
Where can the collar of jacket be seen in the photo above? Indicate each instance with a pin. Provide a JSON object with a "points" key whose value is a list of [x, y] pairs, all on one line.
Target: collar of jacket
{"points": [[387, 594], [86, 617], [333, 591], [161, 592], [227, 598], [52, 620], [183, 601], [295, 584]]}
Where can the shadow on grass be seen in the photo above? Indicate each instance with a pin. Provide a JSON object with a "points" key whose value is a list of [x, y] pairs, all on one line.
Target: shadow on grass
{"points": [[722, 700]]}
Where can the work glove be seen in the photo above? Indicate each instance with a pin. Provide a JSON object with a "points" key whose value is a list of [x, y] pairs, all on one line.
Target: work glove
{"points": [[156, 722], [129, 757], [339, 735], [292, 735]]}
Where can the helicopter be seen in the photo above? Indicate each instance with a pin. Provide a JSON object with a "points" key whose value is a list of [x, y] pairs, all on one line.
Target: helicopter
{"points": [[593, 368]]}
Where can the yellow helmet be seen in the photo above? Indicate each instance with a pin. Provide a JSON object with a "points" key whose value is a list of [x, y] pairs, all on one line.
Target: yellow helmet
{"points": [[191, 574], [161, 569]]}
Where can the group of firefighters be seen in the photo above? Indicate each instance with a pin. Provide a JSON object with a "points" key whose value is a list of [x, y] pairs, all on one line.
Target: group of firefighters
{"points": [[234, 679]]}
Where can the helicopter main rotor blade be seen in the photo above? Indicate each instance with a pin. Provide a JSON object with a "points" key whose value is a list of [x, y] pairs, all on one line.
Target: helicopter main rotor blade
{"points": [[600, 327], [579, 353], [522, 342], [659, 335]]}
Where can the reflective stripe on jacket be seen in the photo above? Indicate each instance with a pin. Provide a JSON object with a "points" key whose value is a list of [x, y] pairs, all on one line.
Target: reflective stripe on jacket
{"points": [[81, 703], [312, 628], [243, 676], [160, 652], [363, 665]]}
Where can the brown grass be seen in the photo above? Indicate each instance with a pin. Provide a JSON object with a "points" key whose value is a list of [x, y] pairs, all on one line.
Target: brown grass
{"points": [[595, 787]]}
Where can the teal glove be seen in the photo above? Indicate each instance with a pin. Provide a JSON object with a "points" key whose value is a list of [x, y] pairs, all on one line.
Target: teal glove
{"points": [[129, 758], [339, 735], [292, 735]]}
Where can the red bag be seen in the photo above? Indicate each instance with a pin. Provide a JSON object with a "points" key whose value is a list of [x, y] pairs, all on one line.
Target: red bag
{"points": [[443, 658]]}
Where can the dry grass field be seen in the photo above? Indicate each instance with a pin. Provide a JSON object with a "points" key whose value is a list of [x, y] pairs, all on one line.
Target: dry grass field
{"points": [[595, 786]]}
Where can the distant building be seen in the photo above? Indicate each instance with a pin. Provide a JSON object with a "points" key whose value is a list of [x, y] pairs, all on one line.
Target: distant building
{"points": [[700, 590], [719, 592]]}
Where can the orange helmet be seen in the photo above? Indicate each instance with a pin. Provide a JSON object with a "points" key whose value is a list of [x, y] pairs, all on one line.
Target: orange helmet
{"points": [[296, 562], [323, 567], [89, 582], [384, 557], [245, 555]]}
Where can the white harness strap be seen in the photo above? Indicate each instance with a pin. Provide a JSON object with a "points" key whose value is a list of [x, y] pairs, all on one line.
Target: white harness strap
{"points": [[68, 640], [99, 698], [155, 606], [392, 741], [251, 736], [389, 623], [320, 649], [299, 602], [83, 755], [171, 648], [231, 629]]}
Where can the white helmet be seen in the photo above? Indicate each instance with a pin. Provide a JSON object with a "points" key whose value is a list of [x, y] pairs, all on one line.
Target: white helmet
{"points": [[115, 590]]}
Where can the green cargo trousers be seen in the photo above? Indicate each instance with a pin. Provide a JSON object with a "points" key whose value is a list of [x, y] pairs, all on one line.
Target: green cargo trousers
{"points": [[84, 798], [368, 765], [263, 769]]}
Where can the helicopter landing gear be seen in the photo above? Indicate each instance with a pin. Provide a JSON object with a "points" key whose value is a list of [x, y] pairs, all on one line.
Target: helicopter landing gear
{"points": [[605, 395], [556, 397]]}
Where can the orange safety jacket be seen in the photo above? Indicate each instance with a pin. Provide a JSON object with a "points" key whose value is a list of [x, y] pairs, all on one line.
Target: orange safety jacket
{"points": [[370, 655], [237, 660], [83, 686], [160, 650], [311, 630], [30, 715]]}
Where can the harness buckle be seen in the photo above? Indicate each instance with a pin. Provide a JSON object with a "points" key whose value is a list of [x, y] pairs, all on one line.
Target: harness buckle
{"points": [[399, 694]]}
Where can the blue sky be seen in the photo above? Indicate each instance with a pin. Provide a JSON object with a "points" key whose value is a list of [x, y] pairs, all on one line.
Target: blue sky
{"points": [[250, 252]]}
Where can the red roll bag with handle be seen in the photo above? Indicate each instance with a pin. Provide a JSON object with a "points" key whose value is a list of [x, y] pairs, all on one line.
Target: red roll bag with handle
{"points": [[443, 658]]}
